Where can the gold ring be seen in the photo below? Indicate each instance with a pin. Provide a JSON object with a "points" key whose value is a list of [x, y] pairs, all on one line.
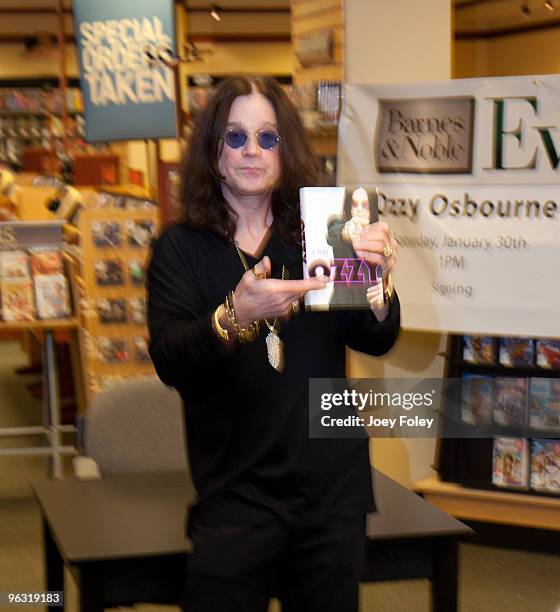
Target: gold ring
{"points": [[258, 275], [295, 306], [388, 250]]}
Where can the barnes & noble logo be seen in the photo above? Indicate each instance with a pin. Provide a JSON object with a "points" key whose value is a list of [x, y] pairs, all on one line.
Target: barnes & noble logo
{"points": [[425, 135]]}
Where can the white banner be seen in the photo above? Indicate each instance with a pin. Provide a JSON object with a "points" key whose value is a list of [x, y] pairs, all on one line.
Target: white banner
{"points": [[468, 177]]}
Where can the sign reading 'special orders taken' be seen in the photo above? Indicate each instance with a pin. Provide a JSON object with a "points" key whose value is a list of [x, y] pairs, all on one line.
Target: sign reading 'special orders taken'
{"points": [[124, 96], [468, 173]]}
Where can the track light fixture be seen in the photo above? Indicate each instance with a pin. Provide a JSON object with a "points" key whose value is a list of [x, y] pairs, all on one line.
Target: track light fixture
{"points": [[549, 6], [525, 10], [215, 12]]}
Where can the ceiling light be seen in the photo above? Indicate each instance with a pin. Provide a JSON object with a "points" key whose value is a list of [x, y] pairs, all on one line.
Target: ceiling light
{"points": [[215, 13], [549, 6]]}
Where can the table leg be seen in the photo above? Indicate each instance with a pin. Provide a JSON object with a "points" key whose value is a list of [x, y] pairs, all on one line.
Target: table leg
{"points": [[54, 565], [92, 587], [444, 574]]}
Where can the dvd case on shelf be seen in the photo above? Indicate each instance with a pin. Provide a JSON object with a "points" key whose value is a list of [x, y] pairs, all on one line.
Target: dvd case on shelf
{"points": [[46, 261]]}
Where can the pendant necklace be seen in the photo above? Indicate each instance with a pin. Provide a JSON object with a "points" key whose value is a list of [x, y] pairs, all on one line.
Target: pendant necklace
{"points": [[274, 345]]}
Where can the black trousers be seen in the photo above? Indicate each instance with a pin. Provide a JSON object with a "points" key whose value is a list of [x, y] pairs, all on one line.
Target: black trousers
{"points": [[238, 567]]}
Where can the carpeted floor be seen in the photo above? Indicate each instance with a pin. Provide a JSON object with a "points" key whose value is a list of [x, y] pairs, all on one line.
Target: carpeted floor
{"points": [[491, 579]]}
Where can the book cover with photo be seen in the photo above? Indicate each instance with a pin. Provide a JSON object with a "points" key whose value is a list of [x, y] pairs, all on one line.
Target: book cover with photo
{"points": [[52, 296], [548, 353], [517, 352], [510, 462], [331, 217], [476, 399], [479, 349], [46, 261], [17, 299], [14, 264], [545, 465], [510, 406], [544, 403]]}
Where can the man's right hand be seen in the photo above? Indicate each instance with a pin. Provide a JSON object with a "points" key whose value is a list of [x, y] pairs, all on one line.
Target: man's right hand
{"points": [[256, 299]]}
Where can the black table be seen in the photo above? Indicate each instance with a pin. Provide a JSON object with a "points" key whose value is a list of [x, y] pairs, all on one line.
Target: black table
{"points": [[123, 537]]}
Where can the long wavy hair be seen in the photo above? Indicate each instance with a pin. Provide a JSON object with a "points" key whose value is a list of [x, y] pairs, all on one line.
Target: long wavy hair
{"points": [[203, 205]]}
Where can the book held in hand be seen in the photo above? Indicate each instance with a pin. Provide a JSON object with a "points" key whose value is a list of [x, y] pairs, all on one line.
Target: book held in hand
{"points": [[331, 218]]}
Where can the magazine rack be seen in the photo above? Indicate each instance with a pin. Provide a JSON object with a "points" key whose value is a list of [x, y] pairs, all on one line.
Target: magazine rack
{"points": [[23, 235]]}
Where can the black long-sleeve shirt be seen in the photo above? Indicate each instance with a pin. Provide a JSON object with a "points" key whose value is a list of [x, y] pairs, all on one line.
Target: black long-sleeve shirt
{"points": [[247, 425]]}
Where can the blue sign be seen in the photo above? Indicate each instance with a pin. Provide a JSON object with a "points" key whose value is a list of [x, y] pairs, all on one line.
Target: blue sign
{"points": [[129, 92]]}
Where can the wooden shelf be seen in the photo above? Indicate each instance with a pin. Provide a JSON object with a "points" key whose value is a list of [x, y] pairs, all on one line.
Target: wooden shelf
{"points": [[503, 507]]}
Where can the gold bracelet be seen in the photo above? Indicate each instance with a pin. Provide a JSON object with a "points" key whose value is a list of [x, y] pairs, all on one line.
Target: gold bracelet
{"points": [[245, 334], [222, 333], [388, 290]]}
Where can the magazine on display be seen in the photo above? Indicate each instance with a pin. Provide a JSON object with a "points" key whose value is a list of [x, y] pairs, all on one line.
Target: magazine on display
{"points": [[479, 349], [331, 218], [517, 352], [52, 297], [545, 465], [510, 407], [17, 299], [46, 261], [544, 403], [14, 264], [548, 353], [510, 462], [476, 399]]}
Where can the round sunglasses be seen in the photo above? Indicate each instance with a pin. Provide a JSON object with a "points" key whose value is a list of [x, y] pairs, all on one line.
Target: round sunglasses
{"points": [[266, 139]]}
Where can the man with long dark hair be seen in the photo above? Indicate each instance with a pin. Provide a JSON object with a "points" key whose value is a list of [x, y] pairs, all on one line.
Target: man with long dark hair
{"points": [[277, 513]]}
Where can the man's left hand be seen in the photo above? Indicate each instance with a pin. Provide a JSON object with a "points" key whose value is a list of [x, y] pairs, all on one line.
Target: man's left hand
{"points": [[373, 243]]}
